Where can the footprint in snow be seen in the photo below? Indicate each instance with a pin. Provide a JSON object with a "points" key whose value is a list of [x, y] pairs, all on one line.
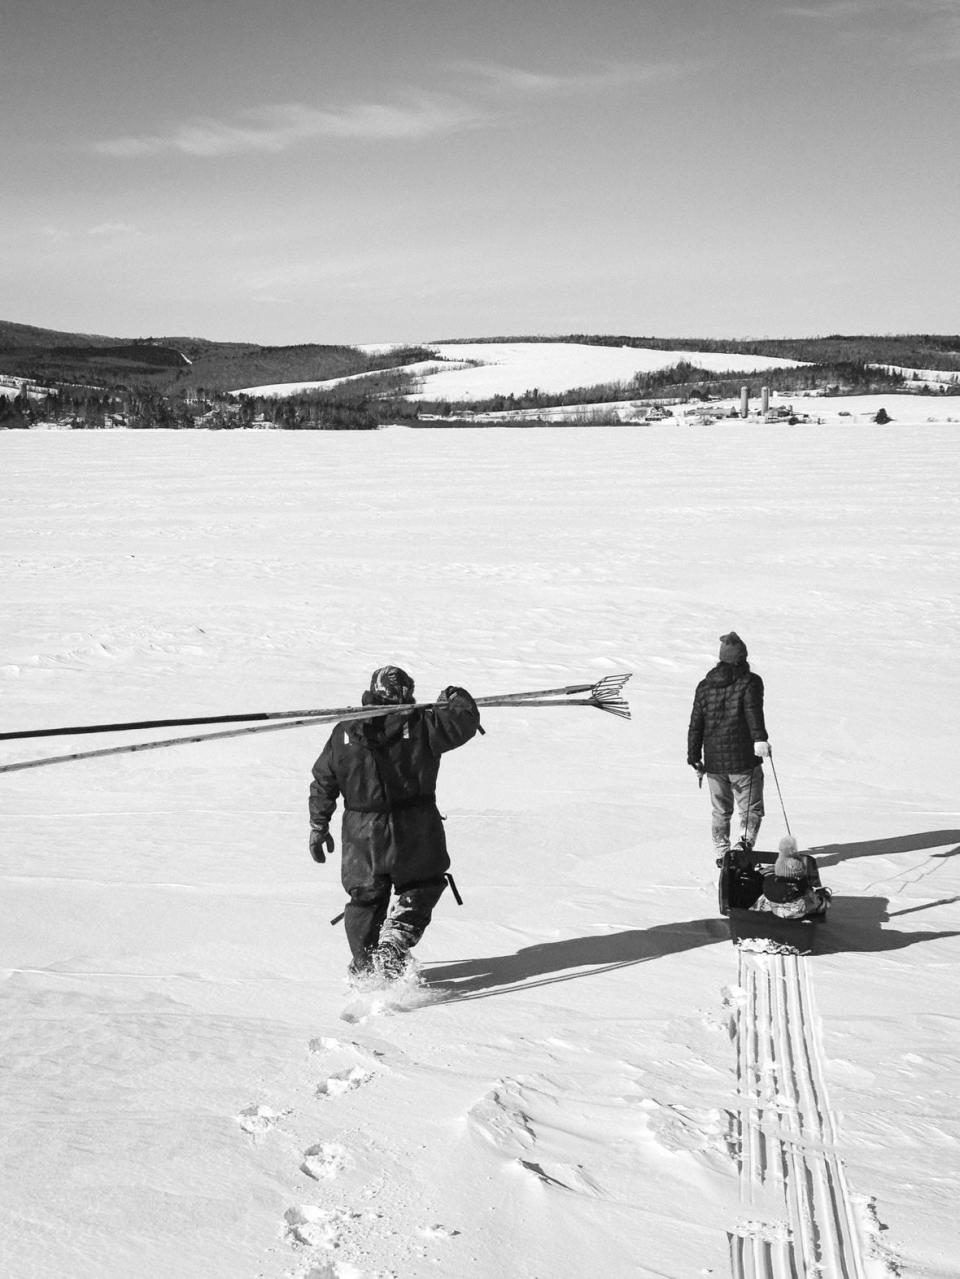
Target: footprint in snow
{"points": [[316, 1232], [329, 1044], [373, 1048], [310, 1226], [436, 1232], [344, 1081], [257, 1120], [324, 1161], [329, 1270]]}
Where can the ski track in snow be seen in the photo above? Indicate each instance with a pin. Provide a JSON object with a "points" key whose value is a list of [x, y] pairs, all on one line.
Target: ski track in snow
{"points": [[799, 1218]]}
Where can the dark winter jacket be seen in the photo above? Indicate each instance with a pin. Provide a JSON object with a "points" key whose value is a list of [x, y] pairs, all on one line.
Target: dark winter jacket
{"points": [[727, 718], [783, 891], [386, 771], [780, 889], [791, 898]]}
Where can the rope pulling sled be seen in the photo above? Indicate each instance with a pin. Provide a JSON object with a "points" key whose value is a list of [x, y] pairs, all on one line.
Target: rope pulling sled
{"points": [[606, 695]]}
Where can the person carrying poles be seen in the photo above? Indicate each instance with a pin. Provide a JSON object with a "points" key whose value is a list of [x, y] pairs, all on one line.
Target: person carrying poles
{"points": [[385, 769]]}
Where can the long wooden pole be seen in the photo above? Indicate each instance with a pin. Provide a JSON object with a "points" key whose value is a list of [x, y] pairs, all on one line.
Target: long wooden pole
{"points": [[342, 712], [605, 695]]}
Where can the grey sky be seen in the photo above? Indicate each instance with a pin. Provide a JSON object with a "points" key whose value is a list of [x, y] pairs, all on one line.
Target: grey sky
{"points": [[292, 171]]}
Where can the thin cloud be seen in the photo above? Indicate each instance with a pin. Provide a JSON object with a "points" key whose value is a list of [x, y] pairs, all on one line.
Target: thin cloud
{"points": [[844, 9], [112, 230], [272, 129], [520, 82], [276, 128], [919, 30], [836, 10]]}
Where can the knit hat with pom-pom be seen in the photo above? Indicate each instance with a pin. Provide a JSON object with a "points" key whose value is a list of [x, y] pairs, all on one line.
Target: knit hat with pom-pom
{"points": [[732, 649], [790, 864]]}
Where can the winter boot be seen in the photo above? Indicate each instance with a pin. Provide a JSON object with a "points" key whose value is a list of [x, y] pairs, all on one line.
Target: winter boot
{"points": [[390, 959], [359, 971]]}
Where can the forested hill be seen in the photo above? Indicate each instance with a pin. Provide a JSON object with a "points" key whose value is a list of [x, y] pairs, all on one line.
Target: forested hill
{"points": [[911, 350], [171, 364]]}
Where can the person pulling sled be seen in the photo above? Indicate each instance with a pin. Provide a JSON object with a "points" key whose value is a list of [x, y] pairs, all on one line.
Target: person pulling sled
{"points": [[728, 731], [385, 769]]}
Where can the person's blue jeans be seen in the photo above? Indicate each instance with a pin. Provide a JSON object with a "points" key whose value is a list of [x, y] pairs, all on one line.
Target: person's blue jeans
{"points": [[745, 790]]}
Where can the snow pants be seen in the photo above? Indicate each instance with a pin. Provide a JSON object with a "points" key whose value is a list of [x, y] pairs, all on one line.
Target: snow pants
{"points": [[744, 789], [366, 921]]}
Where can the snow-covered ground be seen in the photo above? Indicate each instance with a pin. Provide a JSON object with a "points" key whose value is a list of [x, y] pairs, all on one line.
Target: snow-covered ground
{"points": [[903, 409], [483, 369], [11, 386], [926, 377], [602, 1084], [507, 368]]}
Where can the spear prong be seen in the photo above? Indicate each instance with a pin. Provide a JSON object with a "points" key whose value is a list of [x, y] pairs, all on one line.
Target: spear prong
{"points": [[608, 695]]}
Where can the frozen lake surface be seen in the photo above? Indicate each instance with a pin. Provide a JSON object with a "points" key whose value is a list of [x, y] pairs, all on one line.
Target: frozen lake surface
{"points": [[601, 1082]]}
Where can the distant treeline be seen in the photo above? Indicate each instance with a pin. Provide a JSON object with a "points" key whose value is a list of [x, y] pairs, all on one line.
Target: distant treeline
{"points": [[380, 398], [355, 406], [688, 381], [911, 350], [172, 365]]}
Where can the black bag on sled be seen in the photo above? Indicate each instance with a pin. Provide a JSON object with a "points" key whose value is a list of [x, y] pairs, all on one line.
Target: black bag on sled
{"points": [[741, 883]]}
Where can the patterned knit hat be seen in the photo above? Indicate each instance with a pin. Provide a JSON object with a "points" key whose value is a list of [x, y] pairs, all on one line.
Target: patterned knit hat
{"points": [[790, 864], [390, 686], [732, 649]]}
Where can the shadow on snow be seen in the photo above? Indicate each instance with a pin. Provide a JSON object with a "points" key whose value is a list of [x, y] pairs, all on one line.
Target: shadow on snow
{"points": [[549, 962], [833, 854], [855, 924]]}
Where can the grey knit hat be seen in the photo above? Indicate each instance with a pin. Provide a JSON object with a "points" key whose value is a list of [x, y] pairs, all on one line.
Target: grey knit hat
{"points": [[732, 649]]}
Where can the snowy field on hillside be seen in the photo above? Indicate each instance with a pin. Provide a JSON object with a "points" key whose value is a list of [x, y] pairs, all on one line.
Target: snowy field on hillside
{"points": [[505, 368], [594, 1080], [483, 369]]}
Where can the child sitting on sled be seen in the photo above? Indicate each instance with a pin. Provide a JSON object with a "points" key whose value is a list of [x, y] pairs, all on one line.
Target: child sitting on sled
{"points": [[793, 889]]}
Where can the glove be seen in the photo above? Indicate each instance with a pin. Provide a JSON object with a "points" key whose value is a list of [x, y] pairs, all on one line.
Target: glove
{"points": [[453, 690], [763, 749], [321, 843]]}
